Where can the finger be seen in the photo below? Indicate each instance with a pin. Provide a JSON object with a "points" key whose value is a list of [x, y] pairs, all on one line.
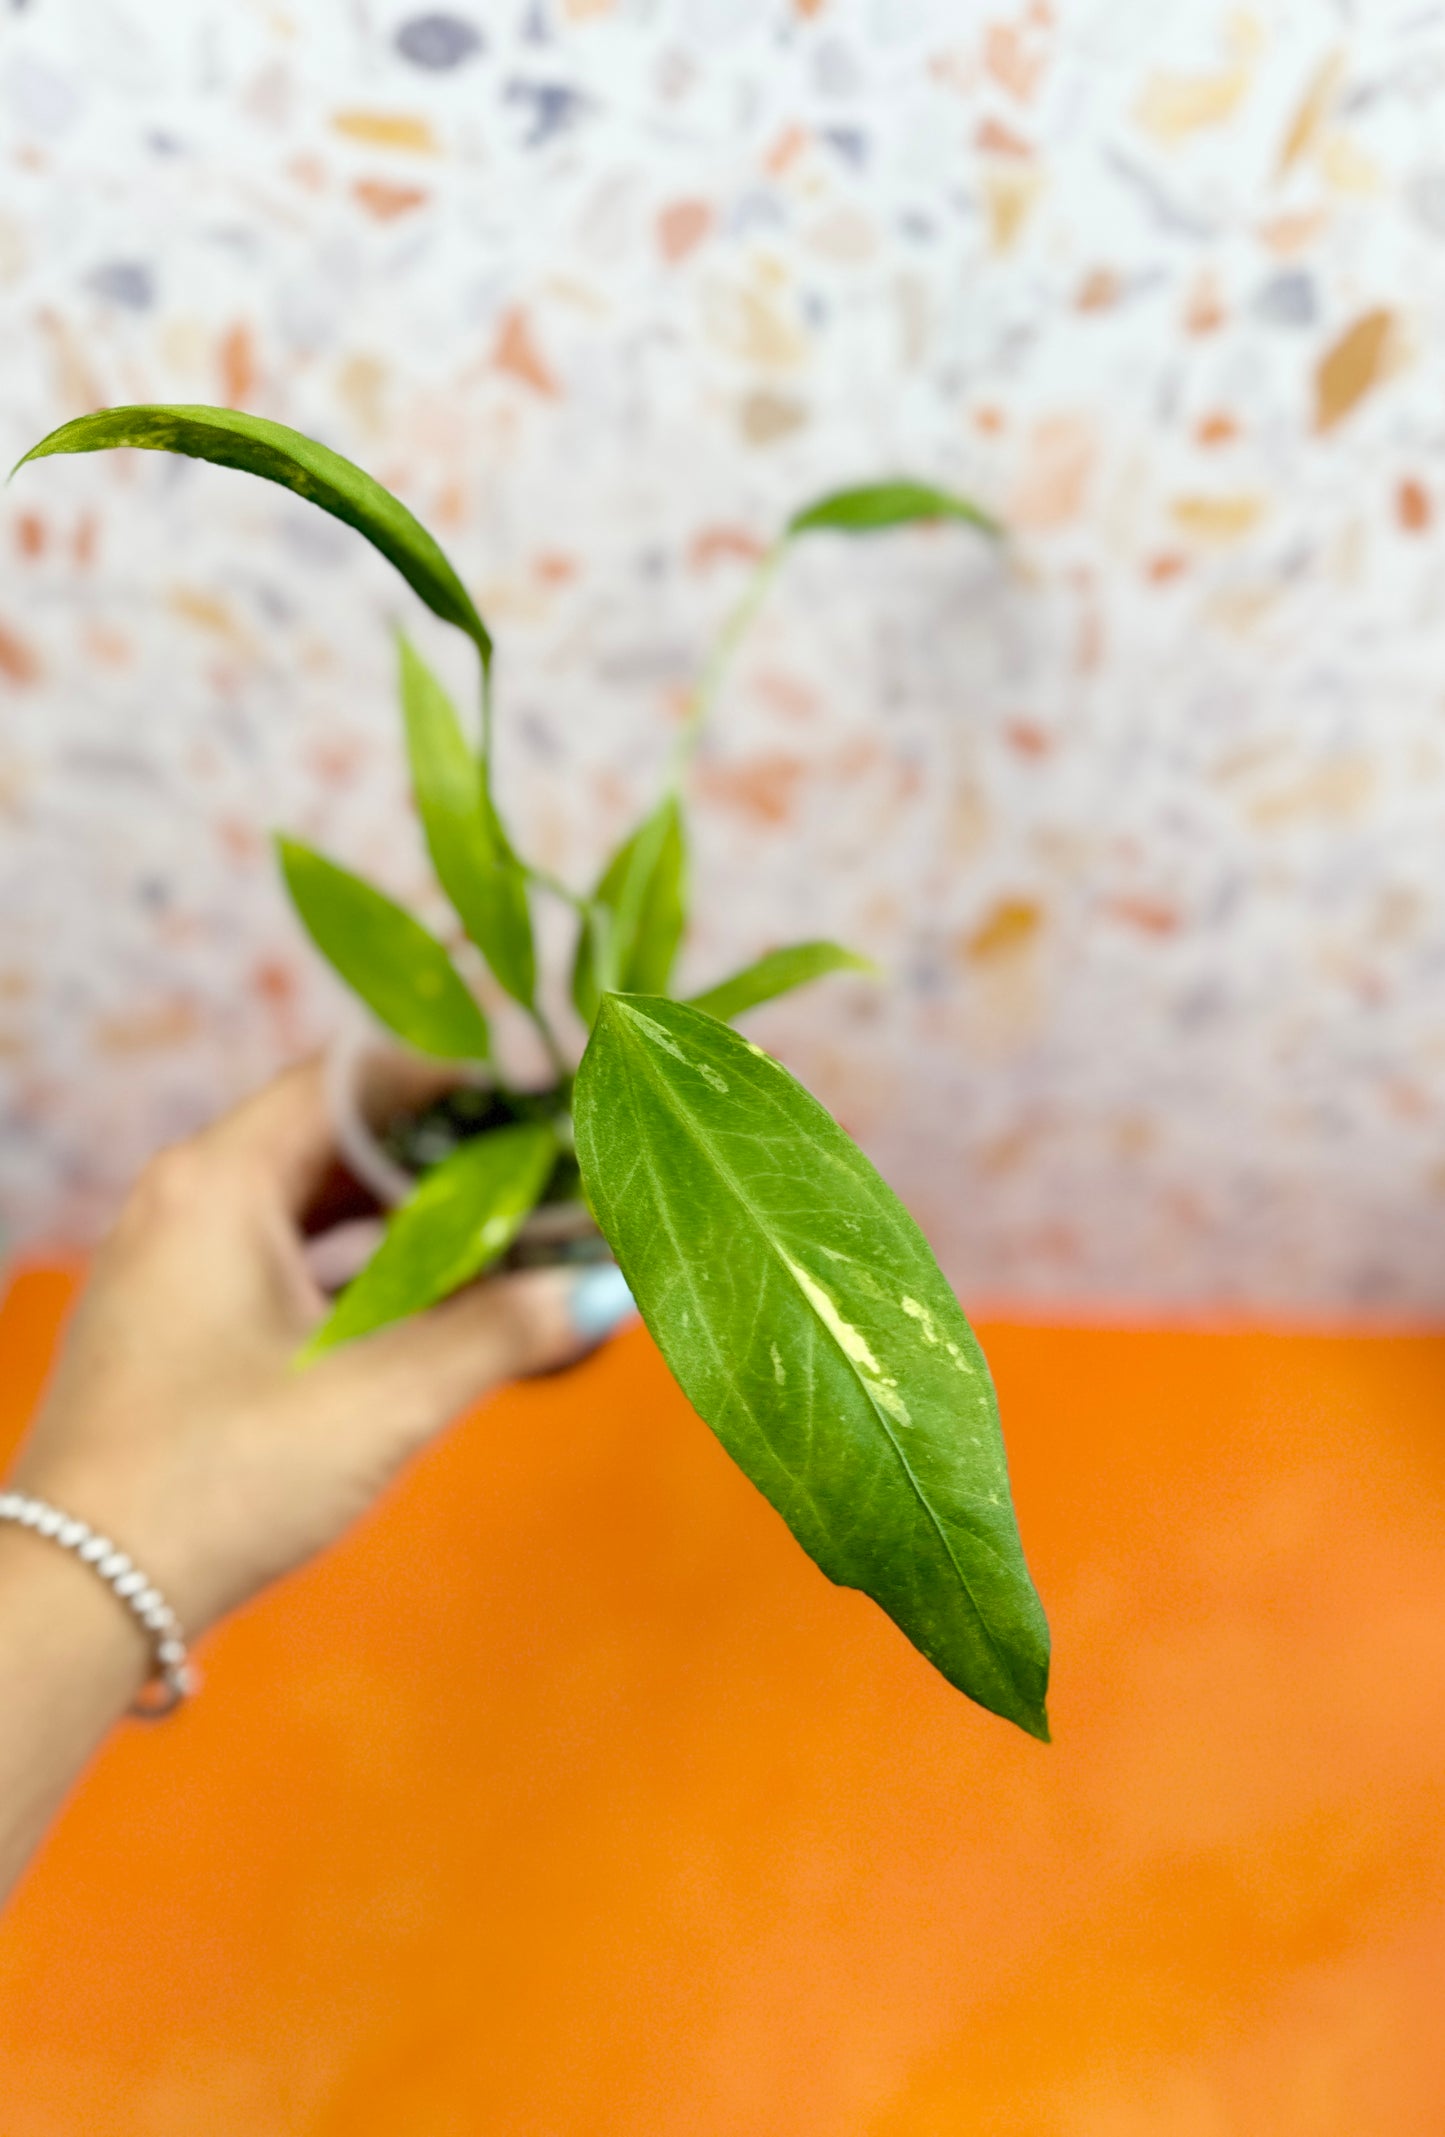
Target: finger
{"points": [[284, 1138], [334, 1256], [419, 1374], [280, 1140]]}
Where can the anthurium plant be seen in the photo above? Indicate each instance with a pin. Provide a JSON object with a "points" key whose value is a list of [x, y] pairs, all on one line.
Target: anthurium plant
{"points": [[790, 1292]]}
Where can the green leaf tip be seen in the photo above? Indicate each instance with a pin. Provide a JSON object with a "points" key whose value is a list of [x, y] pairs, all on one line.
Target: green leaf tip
{"points": [[802, 1313], [640, 906], [778, 973], [873, 506], [229, 437]]}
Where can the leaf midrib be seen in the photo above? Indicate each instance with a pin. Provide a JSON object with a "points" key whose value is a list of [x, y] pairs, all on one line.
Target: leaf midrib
{"points": [[644, 1160], [689, 1126]]}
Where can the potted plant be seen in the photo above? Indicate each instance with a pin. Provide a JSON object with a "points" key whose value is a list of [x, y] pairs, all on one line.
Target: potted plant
{"points": [[791, 1294]]}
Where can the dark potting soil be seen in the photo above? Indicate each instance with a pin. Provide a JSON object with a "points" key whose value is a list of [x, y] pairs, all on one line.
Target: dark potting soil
{"points": [[418, 1141]]}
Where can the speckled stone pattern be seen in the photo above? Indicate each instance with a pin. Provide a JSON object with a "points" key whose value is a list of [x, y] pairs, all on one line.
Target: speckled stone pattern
{"points": [[1143, 816]]}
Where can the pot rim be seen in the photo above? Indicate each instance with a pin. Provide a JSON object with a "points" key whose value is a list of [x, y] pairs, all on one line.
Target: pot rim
{"points": [[347, 1056], [346, 1060]]}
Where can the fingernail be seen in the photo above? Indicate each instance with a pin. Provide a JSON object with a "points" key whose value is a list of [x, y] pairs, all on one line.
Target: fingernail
{"points": [[600, 1301]]}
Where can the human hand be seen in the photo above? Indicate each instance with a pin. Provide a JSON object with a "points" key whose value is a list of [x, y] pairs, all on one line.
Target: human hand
{"points": [[177, 1423]]}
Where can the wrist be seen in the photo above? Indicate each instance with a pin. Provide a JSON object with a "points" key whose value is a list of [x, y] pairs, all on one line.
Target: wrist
{"points": [[122, 1502], [70, 1666], [172, 1676], [63, 1632]]}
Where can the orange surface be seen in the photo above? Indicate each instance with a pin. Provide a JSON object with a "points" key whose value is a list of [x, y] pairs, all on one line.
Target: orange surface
{"points": [[567, 1798]]}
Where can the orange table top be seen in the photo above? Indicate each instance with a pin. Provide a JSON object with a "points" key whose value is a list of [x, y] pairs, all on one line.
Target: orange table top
{"points": [[568, 1800]]}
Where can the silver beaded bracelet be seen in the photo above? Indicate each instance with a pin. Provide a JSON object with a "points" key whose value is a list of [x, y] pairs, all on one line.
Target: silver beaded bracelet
{"points": [[172, 1676]]}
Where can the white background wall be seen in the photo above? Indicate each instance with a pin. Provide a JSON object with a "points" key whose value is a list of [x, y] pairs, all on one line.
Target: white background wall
{"points": [[1145, 819]]}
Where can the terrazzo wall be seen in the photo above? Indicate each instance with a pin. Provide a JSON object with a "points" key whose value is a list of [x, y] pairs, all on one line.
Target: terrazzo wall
{"points": [[1143, 814]]}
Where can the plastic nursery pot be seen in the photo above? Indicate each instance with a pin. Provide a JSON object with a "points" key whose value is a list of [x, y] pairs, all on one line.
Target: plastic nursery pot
{"points": [[396, 1115]]}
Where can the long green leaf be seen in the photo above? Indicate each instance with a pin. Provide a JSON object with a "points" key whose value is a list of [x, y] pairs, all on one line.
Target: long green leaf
{"points": [[465, 1214], [777, 973], [230, 438], [804, 1317], [475, 864], [399, 970], [888, 504], [642, 895]]}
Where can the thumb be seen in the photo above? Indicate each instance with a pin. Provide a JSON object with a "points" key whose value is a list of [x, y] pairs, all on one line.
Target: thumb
{"points": [[423, 1372]]}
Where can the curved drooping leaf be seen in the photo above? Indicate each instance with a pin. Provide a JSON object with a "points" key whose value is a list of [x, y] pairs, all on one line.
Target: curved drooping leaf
{"points": [[642, 901], [475, 864], [777, 973], [400, 971], [230, 438], [804, 1317], [461, 1219], [875, 505]]}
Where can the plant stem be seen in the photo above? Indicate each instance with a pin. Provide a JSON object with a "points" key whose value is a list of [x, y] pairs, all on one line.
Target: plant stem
{"points": [[558, 1060], [487, 723], [709, 683], [725, 647], [729, 638], [545, 880], [545, 1033]]}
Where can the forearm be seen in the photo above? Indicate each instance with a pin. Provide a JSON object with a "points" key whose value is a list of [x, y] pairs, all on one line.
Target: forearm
{"points": [[70, 1664]]}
